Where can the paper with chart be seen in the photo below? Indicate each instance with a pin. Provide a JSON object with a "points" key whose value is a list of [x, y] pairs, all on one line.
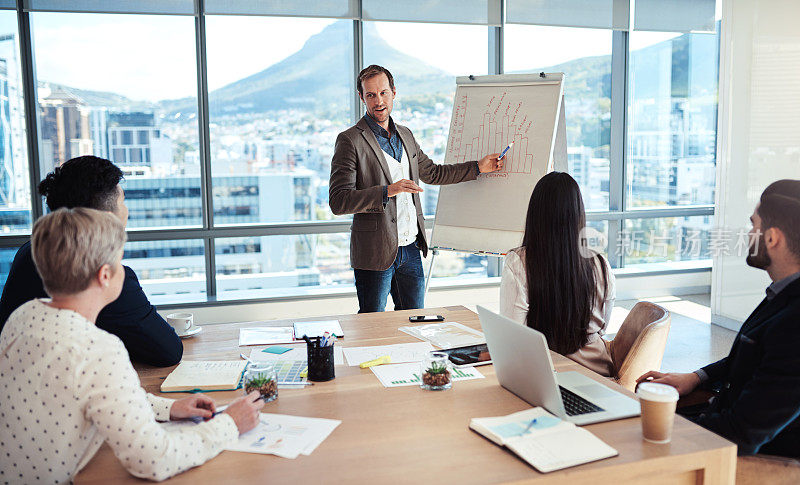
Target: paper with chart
{"points": [[285, 436], [276, 434], [447, 335], [398, 375], [490, 112], [413, 352]]}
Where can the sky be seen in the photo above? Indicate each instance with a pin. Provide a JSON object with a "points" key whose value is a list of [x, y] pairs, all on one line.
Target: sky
{"points": [[152, 57]]}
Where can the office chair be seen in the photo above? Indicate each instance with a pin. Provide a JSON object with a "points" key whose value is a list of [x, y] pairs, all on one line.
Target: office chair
{"points": [[638, 347]]}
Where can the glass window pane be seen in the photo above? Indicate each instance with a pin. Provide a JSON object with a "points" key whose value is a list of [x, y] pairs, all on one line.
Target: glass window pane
{"points": [[275, 116], [425, 60], [141, 78], [668, 239], [271, 266], [6, 258], [584, 55], [672, 119], [169, 271], [15, 195]]}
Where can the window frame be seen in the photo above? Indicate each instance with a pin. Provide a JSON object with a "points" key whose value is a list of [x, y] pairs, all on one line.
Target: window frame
{"points": [[209, 232]]}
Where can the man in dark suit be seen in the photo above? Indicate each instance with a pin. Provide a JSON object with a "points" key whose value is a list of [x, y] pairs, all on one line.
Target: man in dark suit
{"points": [[757, 386], [94, 183], [374, 174]]}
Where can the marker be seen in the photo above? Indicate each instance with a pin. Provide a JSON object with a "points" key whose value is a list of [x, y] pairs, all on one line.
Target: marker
{"points": [[504, 151]]}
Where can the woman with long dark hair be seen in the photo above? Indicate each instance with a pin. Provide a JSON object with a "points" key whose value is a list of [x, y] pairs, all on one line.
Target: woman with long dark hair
{"points": [[554, 283]]}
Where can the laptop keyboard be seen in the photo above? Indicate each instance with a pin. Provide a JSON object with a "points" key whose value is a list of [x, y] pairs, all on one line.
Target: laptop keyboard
{"points": [[575, 405]]}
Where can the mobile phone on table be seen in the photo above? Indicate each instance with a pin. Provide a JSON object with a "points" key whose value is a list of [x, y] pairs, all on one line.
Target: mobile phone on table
{"points": [[426, 318]]}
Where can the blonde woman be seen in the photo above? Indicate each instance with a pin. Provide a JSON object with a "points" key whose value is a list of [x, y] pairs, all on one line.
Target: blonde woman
{"points": [[67, 386]]}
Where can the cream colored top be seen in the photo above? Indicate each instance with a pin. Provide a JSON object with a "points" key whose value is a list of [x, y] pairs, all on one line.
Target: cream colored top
{"points": [[514, 305], [67, 386]]}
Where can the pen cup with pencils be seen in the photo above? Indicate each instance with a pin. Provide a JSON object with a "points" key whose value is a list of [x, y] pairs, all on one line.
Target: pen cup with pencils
{"points": [[320, 358]]}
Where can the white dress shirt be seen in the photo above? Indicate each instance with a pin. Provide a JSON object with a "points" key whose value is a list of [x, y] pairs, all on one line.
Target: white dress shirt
{"points": [[406, 212], [67, 386], [514, 305]]}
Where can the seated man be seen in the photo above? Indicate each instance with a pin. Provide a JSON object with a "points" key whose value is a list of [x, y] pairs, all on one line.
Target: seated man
{"points": [[69, 386], [757, 405], [94, 183]]}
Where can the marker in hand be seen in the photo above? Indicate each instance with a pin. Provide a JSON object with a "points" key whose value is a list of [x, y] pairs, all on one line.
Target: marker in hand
{"points": [[506, 150]]}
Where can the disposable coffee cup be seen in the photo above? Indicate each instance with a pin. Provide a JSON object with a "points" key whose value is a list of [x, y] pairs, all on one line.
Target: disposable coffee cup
{"points": [[181, 322], [658, 403]]}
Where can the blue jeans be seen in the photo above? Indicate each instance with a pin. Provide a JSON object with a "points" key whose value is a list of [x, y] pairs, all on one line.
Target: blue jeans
{"points": [[404, 280]]}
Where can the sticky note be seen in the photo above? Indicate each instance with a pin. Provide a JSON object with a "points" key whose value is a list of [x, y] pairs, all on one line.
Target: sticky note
{"points": [[276, 349]]}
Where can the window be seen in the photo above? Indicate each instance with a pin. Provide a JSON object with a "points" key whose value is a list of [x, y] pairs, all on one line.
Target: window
{"points": [[274, 118], [672, 119], [136, 73], [169, 271], [279, 81], [256, 267], [15, 191], [584, 56]]}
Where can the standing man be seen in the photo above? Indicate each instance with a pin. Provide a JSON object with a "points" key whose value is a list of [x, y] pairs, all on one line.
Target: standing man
{"points": [[374, 174]]}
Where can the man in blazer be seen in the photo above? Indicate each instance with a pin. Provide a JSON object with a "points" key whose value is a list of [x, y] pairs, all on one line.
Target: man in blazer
{"points": [[757, 386], [374, 174]]}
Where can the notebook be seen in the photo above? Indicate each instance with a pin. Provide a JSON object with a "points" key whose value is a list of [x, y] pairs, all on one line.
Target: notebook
{"points": [[541, 439], [210, 375], [317, 329]]}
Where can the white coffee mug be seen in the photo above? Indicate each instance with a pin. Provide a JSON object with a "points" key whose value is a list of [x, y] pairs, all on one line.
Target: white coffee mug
{"points": [[181, 322]]}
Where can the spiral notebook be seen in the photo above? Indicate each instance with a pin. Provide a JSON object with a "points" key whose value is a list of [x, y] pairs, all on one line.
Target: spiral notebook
{"points": [[207, 375], [541, 439]]}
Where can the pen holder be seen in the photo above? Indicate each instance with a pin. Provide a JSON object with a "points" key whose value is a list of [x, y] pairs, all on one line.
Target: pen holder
{"points": [[320, 361]]}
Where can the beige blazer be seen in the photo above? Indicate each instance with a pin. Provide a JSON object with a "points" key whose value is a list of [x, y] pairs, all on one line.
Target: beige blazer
{"points": [[359, 173]]}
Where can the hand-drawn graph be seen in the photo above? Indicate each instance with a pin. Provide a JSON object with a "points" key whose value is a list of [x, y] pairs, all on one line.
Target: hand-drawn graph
{"points": [[502, 122]]}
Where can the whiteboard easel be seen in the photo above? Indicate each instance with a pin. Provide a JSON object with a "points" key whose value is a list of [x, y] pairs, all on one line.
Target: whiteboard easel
{"points": [[477, 128]]}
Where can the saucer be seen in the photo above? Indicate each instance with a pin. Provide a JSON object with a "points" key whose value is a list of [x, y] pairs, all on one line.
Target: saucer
{"points": [[193, 330]]}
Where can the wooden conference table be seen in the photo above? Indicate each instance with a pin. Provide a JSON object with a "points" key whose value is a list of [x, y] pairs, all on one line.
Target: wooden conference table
{"points": [[405, 434]]}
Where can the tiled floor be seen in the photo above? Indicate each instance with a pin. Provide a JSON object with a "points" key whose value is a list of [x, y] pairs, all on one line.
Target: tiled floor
{"points": [[693, 341]]}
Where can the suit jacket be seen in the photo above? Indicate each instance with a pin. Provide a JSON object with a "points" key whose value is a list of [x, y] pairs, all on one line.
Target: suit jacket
{"points": [[131, 317], [359, 175], [758, 405]]}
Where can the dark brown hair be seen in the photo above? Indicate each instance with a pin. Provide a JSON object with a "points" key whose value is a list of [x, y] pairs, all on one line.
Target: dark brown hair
{"points": [[779, 207], [371, 71], [561, 281]]}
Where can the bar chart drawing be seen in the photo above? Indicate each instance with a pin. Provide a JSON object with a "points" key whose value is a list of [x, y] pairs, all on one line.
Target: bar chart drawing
{"points": [[503, 121]]}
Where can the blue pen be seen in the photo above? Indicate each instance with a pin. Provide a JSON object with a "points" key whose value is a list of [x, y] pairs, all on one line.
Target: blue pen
{"points": [[530, 425], [506, 150]]}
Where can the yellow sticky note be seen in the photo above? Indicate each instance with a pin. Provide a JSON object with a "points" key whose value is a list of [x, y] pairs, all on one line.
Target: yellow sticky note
{"points": [[304, 373], [384, 359]]}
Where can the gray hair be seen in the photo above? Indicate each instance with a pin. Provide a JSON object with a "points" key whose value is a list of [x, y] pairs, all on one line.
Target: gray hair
{"points": [[69, 246]]}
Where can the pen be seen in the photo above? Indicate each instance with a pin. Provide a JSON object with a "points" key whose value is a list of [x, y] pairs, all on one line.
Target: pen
{"points": [[506, 149], [533, 421]]}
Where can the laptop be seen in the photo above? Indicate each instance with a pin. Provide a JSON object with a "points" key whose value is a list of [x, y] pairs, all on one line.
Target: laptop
{"points": [[523, 366]]}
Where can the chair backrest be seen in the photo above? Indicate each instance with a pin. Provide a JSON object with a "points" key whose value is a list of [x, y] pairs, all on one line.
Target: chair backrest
{"points": [[639, 345]]}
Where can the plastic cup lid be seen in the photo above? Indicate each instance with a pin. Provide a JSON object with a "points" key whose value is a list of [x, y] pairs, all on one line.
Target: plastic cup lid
{"points": [[652, 391]]}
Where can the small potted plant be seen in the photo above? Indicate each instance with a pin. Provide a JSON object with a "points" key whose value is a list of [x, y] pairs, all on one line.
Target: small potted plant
{"points": [[436, 375], [261, 377]]}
